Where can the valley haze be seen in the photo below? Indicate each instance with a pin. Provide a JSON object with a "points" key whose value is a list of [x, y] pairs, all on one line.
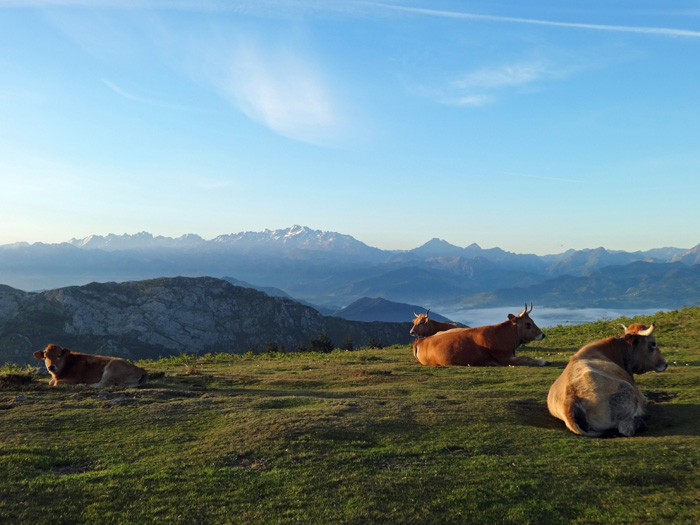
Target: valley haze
{"points": [[331, 270]]}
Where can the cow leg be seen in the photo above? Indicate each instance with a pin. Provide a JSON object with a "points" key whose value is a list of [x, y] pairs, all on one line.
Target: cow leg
{"points": [[105, 380], [629, 427], [523, 360], [628, 407]]}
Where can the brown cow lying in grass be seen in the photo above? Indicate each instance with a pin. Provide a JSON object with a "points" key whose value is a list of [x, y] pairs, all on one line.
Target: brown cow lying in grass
{"points": [[492, 345], [74, 368], [596, 394], [425, 327]]}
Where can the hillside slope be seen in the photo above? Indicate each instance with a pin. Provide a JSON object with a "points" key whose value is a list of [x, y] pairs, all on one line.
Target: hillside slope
{"points": [[168, 316], [379, 309], [635, 285]]}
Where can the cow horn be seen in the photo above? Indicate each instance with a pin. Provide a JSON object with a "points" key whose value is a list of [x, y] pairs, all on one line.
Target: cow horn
{"points": [[525, 310], [427, 312], [624, 327], [648, 331], [415, 314]]}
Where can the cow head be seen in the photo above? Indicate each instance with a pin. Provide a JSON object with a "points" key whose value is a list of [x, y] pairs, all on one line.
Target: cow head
{"points": [[527, 329], [645, 354], [638, 328], [54, 357], [420, 325]]}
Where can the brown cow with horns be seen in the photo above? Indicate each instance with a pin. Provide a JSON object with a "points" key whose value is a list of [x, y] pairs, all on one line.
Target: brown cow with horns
{"points": [[492, 345], [596, 394]]}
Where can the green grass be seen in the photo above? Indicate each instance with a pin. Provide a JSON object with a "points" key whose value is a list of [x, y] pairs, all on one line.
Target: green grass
{"points": [[349, 437]]}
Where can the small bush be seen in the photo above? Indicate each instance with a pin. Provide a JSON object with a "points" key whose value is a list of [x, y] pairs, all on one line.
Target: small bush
{"points": [[373, 343], [347, 343], [321, 344], [274, 348], [9, 368]]}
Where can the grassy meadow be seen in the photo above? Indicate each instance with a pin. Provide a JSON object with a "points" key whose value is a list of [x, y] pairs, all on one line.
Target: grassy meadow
{"points": [[365, 436]]}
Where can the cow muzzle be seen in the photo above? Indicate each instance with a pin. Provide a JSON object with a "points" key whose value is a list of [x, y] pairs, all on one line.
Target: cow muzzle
{"points": [[660, 368], [51, 368]]}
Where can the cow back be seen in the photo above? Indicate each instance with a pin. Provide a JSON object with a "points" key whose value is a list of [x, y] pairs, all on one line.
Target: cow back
{"points": [[480, 346], [83, 368]]}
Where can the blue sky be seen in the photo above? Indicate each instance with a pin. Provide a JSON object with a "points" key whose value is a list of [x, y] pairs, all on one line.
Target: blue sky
{"points": [[533, 126]]}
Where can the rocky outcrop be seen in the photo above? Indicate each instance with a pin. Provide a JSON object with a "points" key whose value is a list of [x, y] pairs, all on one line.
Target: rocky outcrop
{"points": [[169, 316]]}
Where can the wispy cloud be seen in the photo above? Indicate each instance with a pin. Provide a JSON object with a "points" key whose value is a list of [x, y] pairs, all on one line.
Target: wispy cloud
{"points": [[149, 101], [141, 100], [665, 31], [469, 100], [504, 76], [485, 86], [281, 89]]}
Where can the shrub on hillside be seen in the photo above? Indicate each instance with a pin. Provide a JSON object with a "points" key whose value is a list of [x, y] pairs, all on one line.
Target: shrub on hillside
{"points": [[271, 348], [373, 343], [321, 343], [347, 343]]}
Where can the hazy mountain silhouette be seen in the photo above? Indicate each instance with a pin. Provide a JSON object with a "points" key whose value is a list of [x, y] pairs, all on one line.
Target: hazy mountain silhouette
{"points": [[331, 270]]}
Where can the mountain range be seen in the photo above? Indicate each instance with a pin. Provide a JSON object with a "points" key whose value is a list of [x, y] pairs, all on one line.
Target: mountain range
{"points": [[331, 270]]}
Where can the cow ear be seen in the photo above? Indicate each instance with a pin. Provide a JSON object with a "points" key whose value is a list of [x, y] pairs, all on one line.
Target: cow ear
{"points": [[513, 319], [65, 352], [39, 354], [631, 339]]}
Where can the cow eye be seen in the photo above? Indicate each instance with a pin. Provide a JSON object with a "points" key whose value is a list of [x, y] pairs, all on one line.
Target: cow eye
{"points": [[529, 325]]}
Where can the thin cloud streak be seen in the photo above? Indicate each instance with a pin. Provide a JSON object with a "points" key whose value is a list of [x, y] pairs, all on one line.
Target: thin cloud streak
{"points": [[505, 76], [481, 87], [665, 31], [471, 100], [141, 100], [346, 7]]}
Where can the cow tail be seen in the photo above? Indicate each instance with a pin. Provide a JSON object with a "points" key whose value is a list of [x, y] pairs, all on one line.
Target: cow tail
{"points": [[575, 418]]}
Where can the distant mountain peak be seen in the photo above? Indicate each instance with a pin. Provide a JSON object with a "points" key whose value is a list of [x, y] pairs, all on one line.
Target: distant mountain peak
{"points": [[299, 230], [125, 241], [691, 256], [379, 309], [436, 247]]}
